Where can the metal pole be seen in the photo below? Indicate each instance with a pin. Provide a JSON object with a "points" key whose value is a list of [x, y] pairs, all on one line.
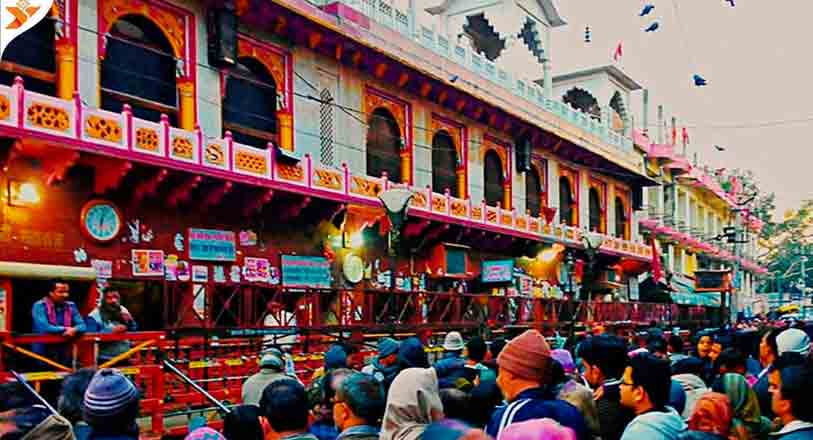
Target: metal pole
{"points": [[33, 392], [172, 368]]}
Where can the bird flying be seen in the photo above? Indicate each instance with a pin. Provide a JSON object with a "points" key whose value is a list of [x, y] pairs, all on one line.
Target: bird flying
{"points": [[652, 27], [647, 9], [699, 81], [719, 148]]}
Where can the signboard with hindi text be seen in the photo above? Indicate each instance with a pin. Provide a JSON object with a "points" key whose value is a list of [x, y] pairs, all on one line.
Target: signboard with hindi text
{"points": [[212, 245], [497, 271], [303, 271]]}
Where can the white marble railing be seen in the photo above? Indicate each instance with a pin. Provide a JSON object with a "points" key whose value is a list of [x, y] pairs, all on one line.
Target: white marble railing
{"points": [[382, 12]]}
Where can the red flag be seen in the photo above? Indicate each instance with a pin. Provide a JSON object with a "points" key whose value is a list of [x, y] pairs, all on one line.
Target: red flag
{"points": [[619, 52], [674, 136], [685, 136], [657, 270]]}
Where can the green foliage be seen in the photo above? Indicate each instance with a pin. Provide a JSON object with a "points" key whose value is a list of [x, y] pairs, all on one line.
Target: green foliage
{"points": [[785, 243]]}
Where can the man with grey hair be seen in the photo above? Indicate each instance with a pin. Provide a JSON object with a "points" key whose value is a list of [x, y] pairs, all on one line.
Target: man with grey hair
{"points": [[271, 369], [358, 406]]}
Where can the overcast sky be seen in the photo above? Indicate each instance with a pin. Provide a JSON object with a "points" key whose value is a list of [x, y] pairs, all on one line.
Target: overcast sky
{"points": [[756, 57]]}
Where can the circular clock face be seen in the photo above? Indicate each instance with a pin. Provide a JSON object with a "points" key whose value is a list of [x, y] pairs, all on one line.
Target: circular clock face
{"points": [[353, 268], [101, 220]]}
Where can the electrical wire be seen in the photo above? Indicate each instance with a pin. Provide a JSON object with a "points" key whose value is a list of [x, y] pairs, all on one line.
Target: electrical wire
{"points": [[346, 109]]}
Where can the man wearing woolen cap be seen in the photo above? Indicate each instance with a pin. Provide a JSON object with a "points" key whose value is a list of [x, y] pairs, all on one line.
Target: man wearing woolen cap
{"points": [[524, 373], [111, 406], [272, 368]]}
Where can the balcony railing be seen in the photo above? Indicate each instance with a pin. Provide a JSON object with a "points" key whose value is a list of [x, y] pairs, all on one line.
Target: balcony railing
{"points": [[380, 11], [75, 125]]}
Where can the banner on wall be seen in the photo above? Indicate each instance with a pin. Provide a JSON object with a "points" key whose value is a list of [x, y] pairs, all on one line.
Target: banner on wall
{"points": [[148, 263], [497, 271], [301, 271], [256, 270], [212, 245]]}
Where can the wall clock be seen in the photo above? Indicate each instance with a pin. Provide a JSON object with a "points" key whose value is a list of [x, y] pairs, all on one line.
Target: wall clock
{"points": [[101, 221]]}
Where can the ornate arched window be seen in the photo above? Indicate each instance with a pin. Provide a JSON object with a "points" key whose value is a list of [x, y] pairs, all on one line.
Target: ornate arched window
{"points": [[492, 168], [566, 202], [139, 69], [444, 164], [619, 117], [584, 101], [383, 145], [596, 223], [250, 104], [533, 192], [621, 220], [32, 56]]}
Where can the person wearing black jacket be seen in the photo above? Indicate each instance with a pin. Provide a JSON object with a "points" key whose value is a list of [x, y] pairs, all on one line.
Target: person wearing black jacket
{"points": [[604, 359]]}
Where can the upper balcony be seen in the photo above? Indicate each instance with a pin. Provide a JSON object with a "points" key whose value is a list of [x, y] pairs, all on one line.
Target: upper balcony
{"points": [[58, 123], [517, 94]]}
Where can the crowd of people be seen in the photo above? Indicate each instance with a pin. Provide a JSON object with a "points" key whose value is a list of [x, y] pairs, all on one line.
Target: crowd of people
{"points": [[601, 386]]}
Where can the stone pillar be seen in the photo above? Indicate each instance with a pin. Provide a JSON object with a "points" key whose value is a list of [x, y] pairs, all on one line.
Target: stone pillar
{"points": [[406, 166], [186, 94], [462, 191], [65, 68], [286, 130]]}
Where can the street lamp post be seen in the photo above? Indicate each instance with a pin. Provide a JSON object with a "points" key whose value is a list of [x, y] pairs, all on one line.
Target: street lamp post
{"points": [[395, 202], [593, 242]]}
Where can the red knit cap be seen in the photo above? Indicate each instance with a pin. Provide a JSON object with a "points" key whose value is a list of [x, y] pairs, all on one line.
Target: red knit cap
{"points": [[527, 356]]}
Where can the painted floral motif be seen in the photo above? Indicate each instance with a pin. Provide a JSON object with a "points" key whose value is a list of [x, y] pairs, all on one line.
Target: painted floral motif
{"points": [[328, 179], [291, 172], [215, 155], [47, 116], [147, 139], [182, 148], [250, 163], [103, 128]]}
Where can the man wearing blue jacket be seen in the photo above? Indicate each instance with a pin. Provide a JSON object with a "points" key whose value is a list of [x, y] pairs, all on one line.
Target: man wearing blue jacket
{"points": [[55, 315], [524, 376], [645, 390]]}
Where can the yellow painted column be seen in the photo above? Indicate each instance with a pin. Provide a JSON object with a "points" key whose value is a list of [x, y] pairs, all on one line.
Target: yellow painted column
{"points": [[186, 93], [462, 191], [65, 69], [406, 167], [506, 196], [286, 130]]}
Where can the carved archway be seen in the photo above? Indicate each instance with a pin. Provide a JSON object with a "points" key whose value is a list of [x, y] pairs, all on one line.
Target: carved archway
{"points": [[445, 163], [400, 112], [383, 145], [597, 204], [568, 196], [459, 137], [583, 100]]}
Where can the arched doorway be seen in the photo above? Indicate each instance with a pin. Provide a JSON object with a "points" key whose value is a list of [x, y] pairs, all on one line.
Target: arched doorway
{"points": [[621, 220], [383, 145], [250, 104], [444, 164], [594, 206], [32, 56], [533, 192], [139, 69], [566, 199], [494, 179]]}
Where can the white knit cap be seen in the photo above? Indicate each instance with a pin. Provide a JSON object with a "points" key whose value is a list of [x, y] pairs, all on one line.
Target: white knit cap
{"points": [[793, 340], [453, 342]]}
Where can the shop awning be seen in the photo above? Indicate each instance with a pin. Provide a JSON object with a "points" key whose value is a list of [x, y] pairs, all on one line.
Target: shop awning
{"points": [[45, 271]]}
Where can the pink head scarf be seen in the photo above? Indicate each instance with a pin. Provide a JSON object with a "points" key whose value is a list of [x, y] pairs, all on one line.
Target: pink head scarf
{"points": [[537, 429]]}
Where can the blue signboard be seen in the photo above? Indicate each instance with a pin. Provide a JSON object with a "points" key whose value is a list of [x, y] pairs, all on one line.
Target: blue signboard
{"points": [[212, 245], [299, 271], [497, 271]]}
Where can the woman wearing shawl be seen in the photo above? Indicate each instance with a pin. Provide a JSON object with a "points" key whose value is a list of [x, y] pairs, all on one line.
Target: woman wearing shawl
{"points": [[413, 404], [537, 429], [748, 422], [711, 419]]}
